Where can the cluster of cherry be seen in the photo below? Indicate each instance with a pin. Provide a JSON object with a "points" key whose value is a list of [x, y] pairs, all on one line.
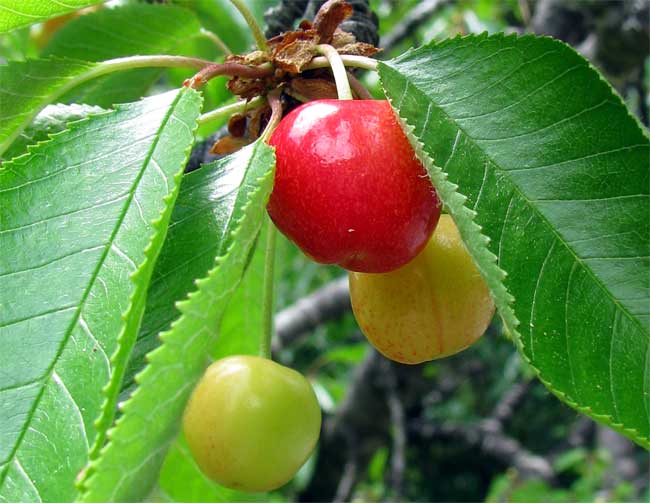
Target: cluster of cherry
{"points": [[349, 190]]}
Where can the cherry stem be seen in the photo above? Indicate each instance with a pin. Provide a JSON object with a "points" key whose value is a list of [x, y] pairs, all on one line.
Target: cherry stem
{"points": [[276, 113], [338, 69], [231, 69], [228, 110], [105, 68], [223, 47], [359, 88], [252, 23], [348, 60], [267, 300], [269, 252], [153, 61]]}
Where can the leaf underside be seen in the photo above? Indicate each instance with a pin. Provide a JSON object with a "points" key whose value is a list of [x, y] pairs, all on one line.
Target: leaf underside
{"points": [[546, 175], [78, 236], [228, 199]]}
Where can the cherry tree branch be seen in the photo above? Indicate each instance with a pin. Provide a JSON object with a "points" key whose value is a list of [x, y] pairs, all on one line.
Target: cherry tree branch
{"points": [[399, 437], [506, 407], [329, 302], [420, 14], [493, 442]]}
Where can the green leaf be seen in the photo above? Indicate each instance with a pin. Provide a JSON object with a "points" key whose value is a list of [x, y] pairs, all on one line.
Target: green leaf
{"points": [[83, 218], [143, 30], [240, 332], [182, 480], [552, 179], [17, 13], [222, 18], [26, 87], [214, 94], [17, 45], [195, 238], [242, 327], [53, 119], [231, 195]]}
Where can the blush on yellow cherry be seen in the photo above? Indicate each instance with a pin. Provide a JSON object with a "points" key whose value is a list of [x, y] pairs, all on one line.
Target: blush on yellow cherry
{"points": [[436, 305]]}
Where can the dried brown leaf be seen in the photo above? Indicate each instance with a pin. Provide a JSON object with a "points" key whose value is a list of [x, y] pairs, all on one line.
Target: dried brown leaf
{"points": [[329, 17], [359, 49], [228, 145], [294, 56], [237, 125], [341, 38], [246, 88], [314, 89]]}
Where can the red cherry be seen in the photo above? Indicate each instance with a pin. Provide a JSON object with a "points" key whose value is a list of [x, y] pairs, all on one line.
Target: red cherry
{"points": [[349, 189]]}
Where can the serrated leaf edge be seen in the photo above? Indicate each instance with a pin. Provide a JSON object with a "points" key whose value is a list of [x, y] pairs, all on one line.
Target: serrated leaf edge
{"points": [[530, 36], [477, 242], [70, 127], [85, 485], [50, 136], [43, 19], [90, 72], [138, 293]]}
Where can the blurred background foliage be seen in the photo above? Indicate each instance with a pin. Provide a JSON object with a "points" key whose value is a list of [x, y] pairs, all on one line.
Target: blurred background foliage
{"points": [[474, 427]]}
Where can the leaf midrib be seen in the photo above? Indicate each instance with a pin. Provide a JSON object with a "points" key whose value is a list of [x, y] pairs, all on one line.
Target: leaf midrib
{"points": [[546, 222], [48, 374], [532, 206]]}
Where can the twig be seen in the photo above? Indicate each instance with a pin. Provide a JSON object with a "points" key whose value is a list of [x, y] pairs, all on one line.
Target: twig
{"points": [[347, 482], [644, 113], [350, 470], [327, 303], [623, 467], [362, 415], [417, 16], [524, 9], [581, 432], [492, 442], [398, 421], [505, 408], [495, 444]]}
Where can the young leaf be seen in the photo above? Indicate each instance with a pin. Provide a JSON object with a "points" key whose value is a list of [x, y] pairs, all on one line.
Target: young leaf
{"points": [[129, 465], [83, 218], [17, 13], [552, 174], [53, 119], [143, 29]]}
